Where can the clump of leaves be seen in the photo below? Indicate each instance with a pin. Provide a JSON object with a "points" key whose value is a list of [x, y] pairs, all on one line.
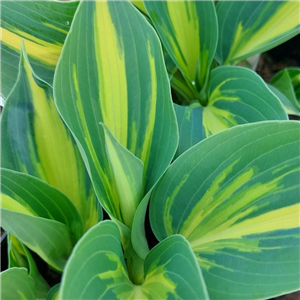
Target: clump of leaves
{"points": [[225, 212]]}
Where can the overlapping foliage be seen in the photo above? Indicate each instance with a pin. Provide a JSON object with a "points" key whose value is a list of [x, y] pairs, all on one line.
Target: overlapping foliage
{"points": [[96, 127]]}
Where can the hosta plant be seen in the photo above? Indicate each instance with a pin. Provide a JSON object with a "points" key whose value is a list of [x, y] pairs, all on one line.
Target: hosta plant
{"points": [[205, 41], [103, 131]]}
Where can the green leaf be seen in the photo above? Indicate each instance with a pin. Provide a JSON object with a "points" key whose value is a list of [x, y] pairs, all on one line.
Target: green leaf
{"points": [[138, 235], [16, 253], [235, 197], [125, 86], [189, 32], [53, 293], [250, 27], [34, 140], [43, 26], [17, 284], [190, 125], [40, 216], [140, 6], [287, 81], [291, 107], [236, 96], [126, 174], [184, 93], [97, 270], [19, 256]]}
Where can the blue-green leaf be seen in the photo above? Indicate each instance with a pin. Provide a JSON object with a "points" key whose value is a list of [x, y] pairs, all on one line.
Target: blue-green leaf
{"points": [[17, 284], [43, 26], [189, 32], [35, 140], [250, 27], [40, 216], [97, 270], [125, 86], [235, 197], [235, 96]]}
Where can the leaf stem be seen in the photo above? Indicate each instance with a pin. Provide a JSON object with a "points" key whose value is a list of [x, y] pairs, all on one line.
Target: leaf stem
{"points": [[135, 266]]}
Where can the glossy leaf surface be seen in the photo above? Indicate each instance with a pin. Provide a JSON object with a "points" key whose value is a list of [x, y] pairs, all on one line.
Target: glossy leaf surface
{"points": [[17, 284], [235, 96], [43, 26], [123, 85], [235, 197], [35, 140], [40, 216], [97, 270], [250, 27], [189, 32]]}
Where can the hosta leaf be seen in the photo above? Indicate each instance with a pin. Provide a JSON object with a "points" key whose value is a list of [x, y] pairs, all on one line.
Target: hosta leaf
{"points": [[40, 216], [290, 105], [97, 270], [236, 96], [19, 256], [235, 197], [138, 235], [190, 125], [189, 32], [250, 27], [287, 82], [123, 85], [16, 254], [17, 284], [34, 140], [127, 179], [43, 26], [53, 293], [140, 5], [53, 247]]}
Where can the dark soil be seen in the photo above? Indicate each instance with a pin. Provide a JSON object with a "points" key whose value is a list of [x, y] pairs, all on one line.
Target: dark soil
{"points": [[283, 56], [292, 296]]}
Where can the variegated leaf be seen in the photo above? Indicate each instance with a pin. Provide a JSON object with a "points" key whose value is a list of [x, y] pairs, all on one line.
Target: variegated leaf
{"points": [[190, 126], [189, 32], [97, 270], [140, 5], [19, 256], [235, 197], [124, 179], [250, 27], [40, 216], [138, 234], [43, 26], [35, 140], [17, 284], [119, 79], [236, 96]]}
